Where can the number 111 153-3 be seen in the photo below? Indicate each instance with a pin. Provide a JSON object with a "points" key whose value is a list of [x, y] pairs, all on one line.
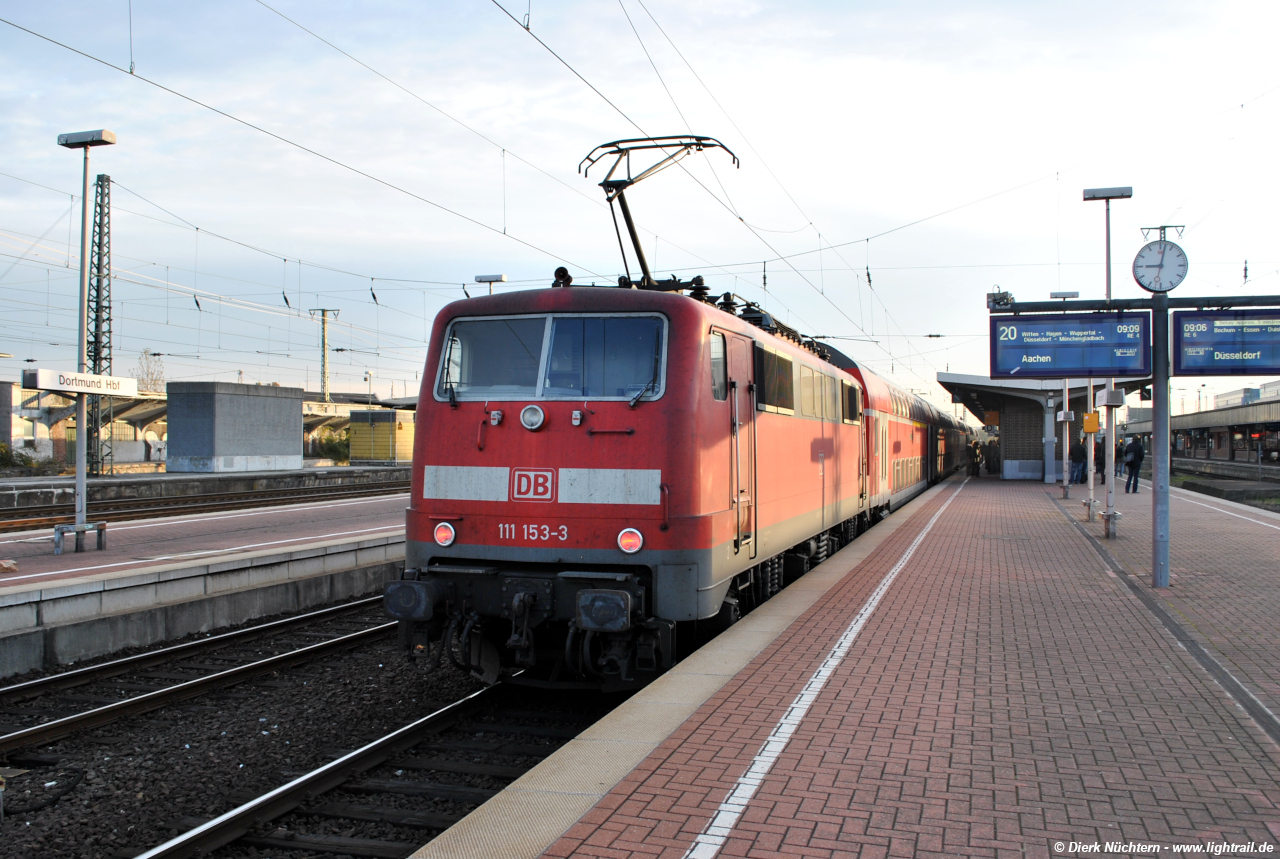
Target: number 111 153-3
{"points": [[512, 531]]}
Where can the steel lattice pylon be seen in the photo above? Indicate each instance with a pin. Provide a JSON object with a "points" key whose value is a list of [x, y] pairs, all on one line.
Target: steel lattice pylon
{"points": [[101, 459]]}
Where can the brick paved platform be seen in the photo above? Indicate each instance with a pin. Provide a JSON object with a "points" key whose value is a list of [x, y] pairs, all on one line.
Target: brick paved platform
{"points": [[1010, 691]]}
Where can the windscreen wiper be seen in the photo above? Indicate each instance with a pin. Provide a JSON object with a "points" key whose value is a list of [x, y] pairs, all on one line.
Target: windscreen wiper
{"points": [[643, 390]]}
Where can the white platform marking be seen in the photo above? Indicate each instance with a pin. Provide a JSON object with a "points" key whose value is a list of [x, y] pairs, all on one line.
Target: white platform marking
{"points": [[713, 837], [229, 549]]}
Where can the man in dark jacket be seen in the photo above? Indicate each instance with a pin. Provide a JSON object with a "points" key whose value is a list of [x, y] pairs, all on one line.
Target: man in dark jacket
{"points": [[1133, 456], [1078, 456]]}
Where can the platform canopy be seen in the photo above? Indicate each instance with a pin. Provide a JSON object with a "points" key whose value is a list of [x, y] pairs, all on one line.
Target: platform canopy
{"points": [[1024, 410]]}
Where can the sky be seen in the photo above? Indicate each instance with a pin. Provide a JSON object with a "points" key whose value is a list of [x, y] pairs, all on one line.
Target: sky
{"points": [[373, 158]]}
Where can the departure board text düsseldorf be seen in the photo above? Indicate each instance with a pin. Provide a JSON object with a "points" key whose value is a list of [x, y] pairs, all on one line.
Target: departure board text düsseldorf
{"points": [[1070, 345], [1226, 343]]}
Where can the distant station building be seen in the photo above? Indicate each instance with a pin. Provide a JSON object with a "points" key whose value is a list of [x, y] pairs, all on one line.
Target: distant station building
{"points": [[381, 437], [41, 424], [1022, 414], [223, 426], [1230, 442]]}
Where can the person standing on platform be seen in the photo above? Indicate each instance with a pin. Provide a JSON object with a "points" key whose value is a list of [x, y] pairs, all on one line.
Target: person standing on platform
{"points": [[1098, 460], [993, 457], [1133, 456], [1078, 456], [1119, 459], [975, 458]]}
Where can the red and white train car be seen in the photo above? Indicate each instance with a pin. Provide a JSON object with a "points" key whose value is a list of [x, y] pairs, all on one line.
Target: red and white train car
{"points": [[603, 476]]}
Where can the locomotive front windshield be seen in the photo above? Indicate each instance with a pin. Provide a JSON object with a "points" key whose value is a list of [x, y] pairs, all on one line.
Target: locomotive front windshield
{"points": [[554, 357]]}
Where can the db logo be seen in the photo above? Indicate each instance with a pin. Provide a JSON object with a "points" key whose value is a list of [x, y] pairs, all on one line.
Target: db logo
{"points": [[533, 484]]}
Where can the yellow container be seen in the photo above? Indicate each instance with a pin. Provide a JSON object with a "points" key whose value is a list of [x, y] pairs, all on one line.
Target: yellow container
{"points": [[381, 436]]}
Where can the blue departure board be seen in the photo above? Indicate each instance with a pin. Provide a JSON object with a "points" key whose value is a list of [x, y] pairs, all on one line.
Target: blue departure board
{"points": [[1070, 345], [1226, 342]]}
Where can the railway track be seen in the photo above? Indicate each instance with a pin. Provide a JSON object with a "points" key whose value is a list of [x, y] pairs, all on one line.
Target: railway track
{"points": [[161, 689], [115, 510], [399, 789]]}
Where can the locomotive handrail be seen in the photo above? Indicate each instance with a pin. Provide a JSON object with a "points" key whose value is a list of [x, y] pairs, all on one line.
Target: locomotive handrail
{"points": [[753, 390], [627, 431]]}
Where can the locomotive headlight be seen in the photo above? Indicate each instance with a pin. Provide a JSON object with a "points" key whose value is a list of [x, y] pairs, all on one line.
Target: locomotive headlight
{"points": [[532, 418], [444, 534], [604, 611], [630, 540]]}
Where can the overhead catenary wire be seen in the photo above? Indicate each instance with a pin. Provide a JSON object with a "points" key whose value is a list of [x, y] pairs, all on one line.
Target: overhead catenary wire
{"points": [[778, 256], [316, 153], [504, 150]]}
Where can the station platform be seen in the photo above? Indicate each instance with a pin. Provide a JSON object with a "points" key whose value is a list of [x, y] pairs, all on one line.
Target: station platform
{"points": [[161, 579], [982, 674]]}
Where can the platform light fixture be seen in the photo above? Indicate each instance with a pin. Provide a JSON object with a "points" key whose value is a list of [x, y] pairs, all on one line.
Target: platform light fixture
{"points": [[1110, 517], [1123, 193], [491, 279], [1064, 295], [85, 140]]}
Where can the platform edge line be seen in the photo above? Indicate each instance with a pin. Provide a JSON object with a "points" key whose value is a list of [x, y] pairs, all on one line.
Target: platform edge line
{"points": [[712, 839]]}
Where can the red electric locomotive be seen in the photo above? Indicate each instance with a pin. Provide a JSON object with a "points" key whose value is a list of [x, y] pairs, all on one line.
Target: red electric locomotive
{"points": [[601, 475]]}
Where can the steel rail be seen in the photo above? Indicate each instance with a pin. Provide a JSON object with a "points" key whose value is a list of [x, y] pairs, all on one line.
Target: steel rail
{"points": [[235, 823], [59, 728], [105, 670], [220, 497], [27, 518]]}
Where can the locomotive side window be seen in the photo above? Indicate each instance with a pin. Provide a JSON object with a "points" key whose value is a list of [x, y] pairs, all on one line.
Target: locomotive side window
{"points": [[719, 368], [594, 356], [493, 357], [775, 382]]}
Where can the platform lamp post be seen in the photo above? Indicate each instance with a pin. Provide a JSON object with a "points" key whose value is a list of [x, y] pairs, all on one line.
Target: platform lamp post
{"points": [[85, 140], [1065, 416], [1109, 398], [491, 279]]}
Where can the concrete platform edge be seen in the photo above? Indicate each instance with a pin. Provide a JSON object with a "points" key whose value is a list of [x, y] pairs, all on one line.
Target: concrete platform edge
{"points": [[531, 813], [90, 618]]}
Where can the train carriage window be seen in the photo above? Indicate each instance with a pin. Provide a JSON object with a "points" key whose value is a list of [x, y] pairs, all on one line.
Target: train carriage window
{"points": [[830, 399], [806, 392], [497, 357], [851, 403], [719, 367]]}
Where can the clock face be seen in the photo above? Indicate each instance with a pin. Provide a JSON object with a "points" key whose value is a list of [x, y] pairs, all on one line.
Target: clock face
{"points": [[1160, 266]]}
